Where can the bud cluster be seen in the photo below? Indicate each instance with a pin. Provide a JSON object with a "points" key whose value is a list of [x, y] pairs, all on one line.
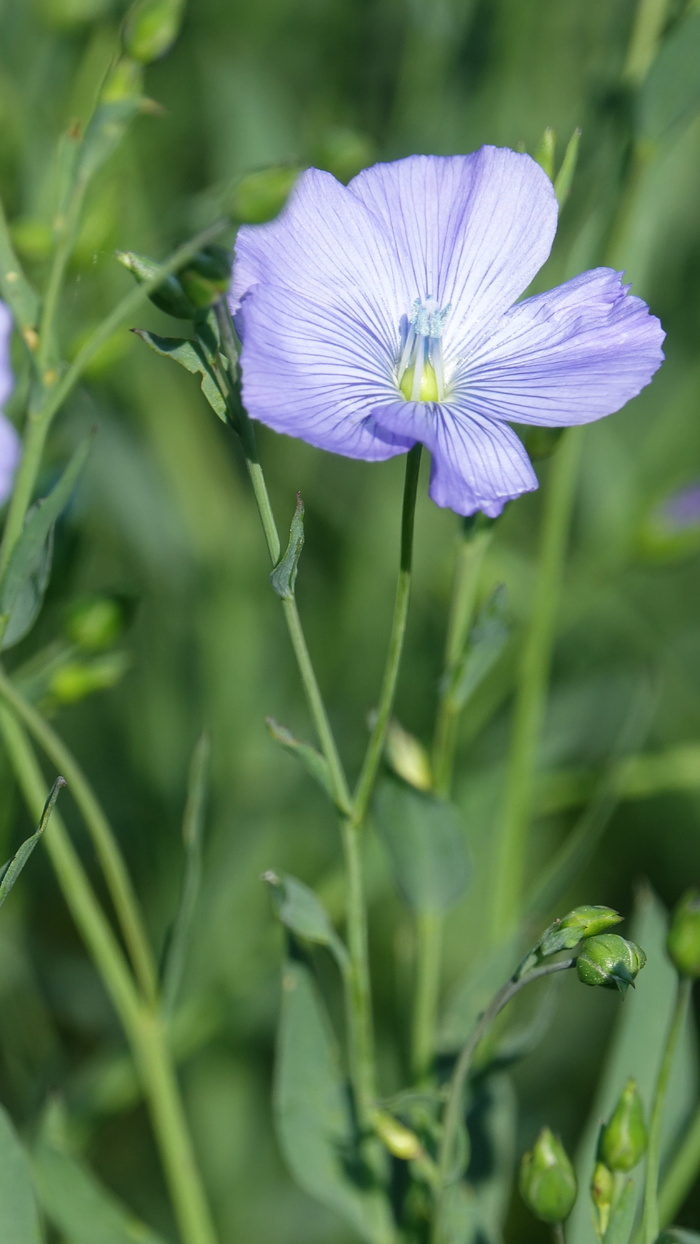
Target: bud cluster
{"points": [[195, 287]]}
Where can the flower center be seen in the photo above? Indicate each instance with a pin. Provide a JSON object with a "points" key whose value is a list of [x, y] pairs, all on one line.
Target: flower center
{"points": [[420, 373]]}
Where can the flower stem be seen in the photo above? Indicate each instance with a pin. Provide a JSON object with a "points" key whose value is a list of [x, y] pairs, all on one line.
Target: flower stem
{"points": [[375, 747], [140, 1020], [455, 1092], [531, 689], [115, 872], [429, 926], [651, 1185]]}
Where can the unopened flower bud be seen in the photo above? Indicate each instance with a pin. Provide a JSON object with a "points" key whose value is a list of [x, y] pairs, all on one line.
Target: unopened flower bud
{"points": [[207, 276], [610, 961], [399, 1140], [75, 680], [683, 941], [168, 296], [407, 757], [547, 1180], [602, 1191], [151, 28], [582, 922], [96, 622], [260, 196], [623, 1141]]}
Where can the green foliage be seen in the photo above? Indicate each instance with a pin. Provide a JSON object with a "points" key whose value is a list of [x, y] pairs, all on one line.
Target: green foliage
{"points": [[284, 575], [671, 93], [10, 872], [19, 1216], [191, 355], [425, 839]]}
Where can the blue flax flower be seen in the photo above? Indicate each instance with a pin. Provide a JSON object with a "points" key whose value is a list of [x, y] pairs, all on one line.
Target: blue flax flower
{"points": [[9, 440], [383, 313]]}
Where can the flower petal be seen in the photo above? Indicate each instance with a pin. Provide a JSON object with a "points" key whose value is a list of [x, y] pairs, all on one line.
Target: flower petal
{"points": [[570, 356], [478, 464], [472, 230], [6, 378], [327, 246], [316, 372]]}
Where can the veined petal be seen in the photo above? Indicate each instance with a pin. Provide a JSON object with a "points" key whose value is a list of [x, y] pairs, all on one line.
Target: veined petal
{"points": [[330, 248], [6, 378], [477, 464], [472, 230], [569, 356], [316, 372]]}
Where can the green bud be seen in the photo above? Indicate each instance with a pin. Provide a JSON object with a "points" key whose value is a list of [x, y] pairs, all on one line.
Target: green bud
{"points": [[547, 1180], [169, 296], [610, 961], [683, 941], [77, 679], [207, 276], [151, 28], [95, 622], [602, 1192], [261, 196], [623, 1141], [408, 758], [582, 922], [124, 81]]}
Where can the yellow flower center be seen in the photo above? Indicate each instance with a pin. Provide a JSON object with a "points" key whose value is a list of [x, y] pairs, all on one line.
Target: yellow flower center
{"points": [[428, 391]]}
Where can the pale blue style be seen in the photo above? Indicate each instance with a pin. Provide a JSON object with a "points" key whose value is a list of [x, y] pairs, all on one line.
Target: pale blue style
{"points": [[381, 313], [9, 440]]}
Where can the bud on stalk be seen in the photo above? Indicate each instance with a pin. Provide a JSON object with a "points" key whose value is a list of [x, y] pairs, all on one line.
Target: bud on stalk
{"points": [[547, 1180], [683, 941], [610, 961], [623, 1140]]}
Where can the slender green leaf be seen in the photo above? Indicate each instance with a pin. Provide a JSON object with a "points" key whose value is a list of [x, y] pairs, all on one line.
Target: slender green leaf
{"points": [[314, 1122], [565, 176], [487, 640], [15, 289], [304, 914], [284, 575], [312, 760], [11, 871], [192, 833], [19, 1216], [191, 355], [104, 133], [425, 839], [80, 1207], [28, 559], [671, 92], [31, 593]]}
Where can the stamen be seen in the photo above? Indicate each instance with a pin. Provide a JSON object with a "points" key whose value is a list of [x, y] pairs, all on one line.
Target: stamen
{"points": [[421, 372]]}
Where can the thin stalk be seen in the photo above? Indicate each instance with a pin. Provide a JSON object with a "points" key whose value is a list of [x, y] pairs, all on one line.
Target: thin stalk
{"points": [[531, 690], [116, 876], [426, 998], [61, 257], [141, 1023], [39, 421], [558, 1233], [375, 747], [455, 1092], [650, 1225]]}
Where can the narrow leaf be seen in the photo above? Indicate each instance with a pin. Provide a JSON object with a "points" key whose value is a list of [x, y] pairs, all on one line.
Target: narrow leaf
{"points": [[31, 593], [11, 871], [565, 176], [30, 551], [671, 92], [622, 1217], [314, 1122], [304, 914], [104, 133], [19, 1216], [80, 1207], [312, 760], [424, 836], [190, 355], [15, 289], [192, 833], [284, 575], [485, 645]]}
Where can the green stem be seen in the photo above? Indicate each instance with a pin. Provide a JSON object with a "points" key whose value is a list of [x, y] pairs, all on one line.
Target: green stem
{"points": [[682, 1172], [113, 866], [531, 691], [558, 1233], [651, 1185], [141, 1023], [429, 933], [375, 747], [39, 421], [65, 242], [455, 1092]]}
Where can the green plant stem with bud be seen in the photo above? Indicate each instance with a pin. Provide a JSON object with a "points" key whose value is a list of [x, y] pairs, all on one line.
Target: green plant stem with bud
{"points": [[531, 689], [353, 808], [140, 1019], [650, 1229], [457, 1084], [429, 925]]}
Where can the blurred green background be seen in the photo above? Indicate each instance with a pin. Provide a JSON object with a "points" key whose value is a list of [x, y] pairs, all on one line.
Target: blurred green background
{"points": [[165, 520]]}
